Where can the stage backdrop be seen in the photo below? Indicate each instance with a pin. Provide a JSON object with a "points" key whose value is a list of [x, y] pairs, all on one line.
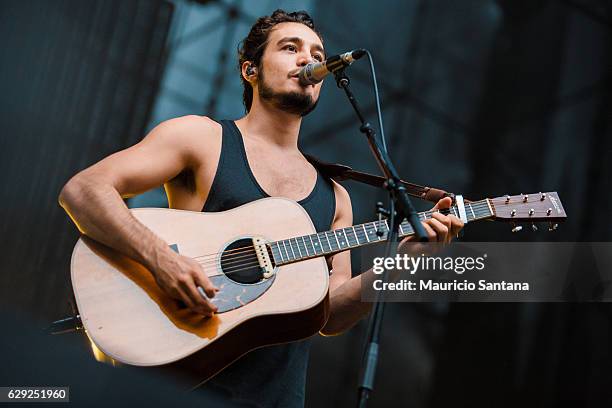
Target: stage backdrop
{"points": [[78, 80]]}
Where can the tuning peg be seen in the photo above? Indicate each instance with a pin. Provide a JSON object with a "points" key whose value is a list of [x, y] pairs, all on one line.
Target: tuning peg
{"points": [[549, 211], [534, 227], [380, 210], [516, 228], [542, 196], [531, 212], [552, 226], [507, 198], [525, 198]]}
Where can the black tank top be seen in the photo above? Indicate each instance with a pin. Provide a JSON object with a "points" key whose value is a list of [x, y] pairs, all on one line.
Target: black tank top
{"points": [[273, 376]]}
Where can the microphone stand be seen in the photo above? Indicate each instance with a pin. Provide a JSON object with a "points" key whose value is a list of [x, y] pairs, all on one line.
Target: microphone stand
{"points": [[400, 208]]}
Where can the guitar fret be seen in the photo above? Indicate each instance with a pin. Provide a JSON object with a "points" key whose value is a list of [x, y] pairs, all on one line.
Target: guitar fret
{"points": [[298, 247], [302, 248], [485, 211], [476, 212], [330, 242], [343, 241], [306, 245], [314, 246], [337, 238], [489, 205], [359, 240], [320, 245], [375, 231], [293, 257], [277, 251], [371, 230], [334, 232], [346, 241], [365, 232], [286, 252], [331, 248], [383, 226], [292, 250], [354, 235]]}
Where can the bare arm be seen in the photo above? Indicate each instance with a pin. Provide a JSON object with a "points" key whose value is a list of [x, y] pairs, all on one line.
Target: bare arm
{"points": [[93, 199], [346, 307]]}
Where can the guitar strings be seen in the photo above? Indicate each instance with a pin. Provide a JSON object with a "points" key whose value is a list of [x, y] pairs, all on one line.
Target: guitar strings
{"points": [[230, 271], [241, 265], [359, 234], [249, 250], [242, 262], [378, 223]]}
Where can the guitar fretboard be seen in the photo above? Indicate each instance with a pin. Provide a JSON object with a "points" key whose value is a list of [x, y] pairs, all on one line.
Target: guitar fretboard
{"points": [[329, 242]]}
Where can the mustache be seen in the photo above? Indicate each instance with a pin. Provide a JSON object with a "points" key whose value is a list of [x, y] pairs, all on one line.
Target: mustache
{"points": [[294, 73]]}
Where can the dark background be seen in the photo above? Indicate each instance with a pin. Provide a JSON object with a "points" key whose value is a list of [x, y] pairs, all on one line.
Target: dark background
{"points": [[482, 98]]}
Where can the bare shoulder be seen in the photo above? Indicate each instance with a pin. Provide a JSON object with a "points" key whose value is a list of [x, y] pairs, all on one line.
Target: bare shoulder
{"points": [[188, 129], [193, 123], [344, 209], [196, 137]]}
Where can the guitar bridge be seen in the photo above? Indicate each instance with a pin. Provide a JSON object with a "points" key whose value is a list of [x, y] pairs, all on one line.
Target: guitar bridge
{"points": [[263, 256]]}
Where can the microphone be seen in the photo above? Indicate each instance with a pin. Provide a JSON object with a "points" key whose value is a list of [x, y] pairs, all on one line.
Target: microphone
{"points": [[314, 72]]}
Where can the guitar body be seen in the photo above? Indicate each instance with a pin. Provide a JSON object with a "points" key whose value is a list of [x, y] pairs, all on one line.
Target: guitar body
{"points": [[128, 317]]}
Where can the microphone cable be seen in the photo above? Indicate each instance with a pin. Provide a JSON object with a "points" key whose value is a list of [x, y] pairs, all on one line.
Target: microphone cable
{"points": [[377, 98]]}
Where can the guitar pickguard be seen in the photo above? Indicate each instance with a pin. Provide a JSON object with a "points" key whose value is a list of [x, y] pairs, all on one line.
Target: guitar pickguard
{"points": [[233, 295]]}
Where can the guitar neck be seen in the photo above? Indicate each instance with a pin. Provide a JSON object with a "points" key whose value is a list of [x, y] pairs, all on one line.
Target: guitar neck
{"points": [[330, 242]]}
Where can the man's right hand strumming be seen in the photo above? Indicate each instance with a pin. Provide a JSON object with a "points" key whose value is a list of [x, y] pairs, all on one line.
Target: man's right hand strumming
{"points": [[179, 277]]}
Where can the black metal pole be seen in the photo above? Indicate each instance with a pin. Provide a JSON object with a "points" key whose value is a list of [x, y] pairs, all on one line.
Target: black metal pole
{"points": [[400, 209], [370, 354]]}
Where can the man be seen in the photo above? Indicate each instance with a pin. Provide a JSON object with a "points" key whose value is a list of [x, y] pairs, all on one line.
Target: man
{"points": [[212, 166]]}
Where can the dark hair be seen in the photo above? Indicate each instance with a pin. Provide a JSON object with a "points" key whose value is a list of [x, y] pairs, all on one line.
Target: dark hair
{"points": [[254, 45]]}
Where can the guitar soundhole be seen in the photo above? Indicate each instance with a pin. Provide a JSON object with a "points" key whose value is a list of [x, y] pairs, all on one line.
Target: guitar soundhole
{"points": [[239, 262]]}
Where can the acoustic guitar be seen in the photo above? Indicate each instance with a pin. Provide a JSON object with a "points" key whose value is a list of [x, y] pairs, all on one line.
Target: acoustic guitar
{"points": [[268, 262]]}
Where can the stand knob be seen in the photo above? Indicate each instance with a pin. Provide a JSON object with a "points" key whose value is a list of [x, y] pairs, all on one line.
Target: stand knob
{"points": [[380, 210]]}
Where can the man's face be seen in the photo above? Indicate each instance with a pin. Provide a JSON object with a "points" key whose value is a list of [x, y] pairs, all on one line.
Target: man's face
{"points": [[290, 47]]}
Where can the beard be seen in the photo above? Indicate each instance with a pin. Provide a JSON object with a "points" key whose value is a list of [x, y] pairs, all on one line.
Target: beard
{"points": [[291, 102]]}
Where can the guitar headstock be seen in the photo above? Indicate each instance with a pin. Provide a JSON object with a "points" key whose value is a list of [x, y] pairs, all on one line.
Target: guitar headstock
{"points": [[529, 208]]}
